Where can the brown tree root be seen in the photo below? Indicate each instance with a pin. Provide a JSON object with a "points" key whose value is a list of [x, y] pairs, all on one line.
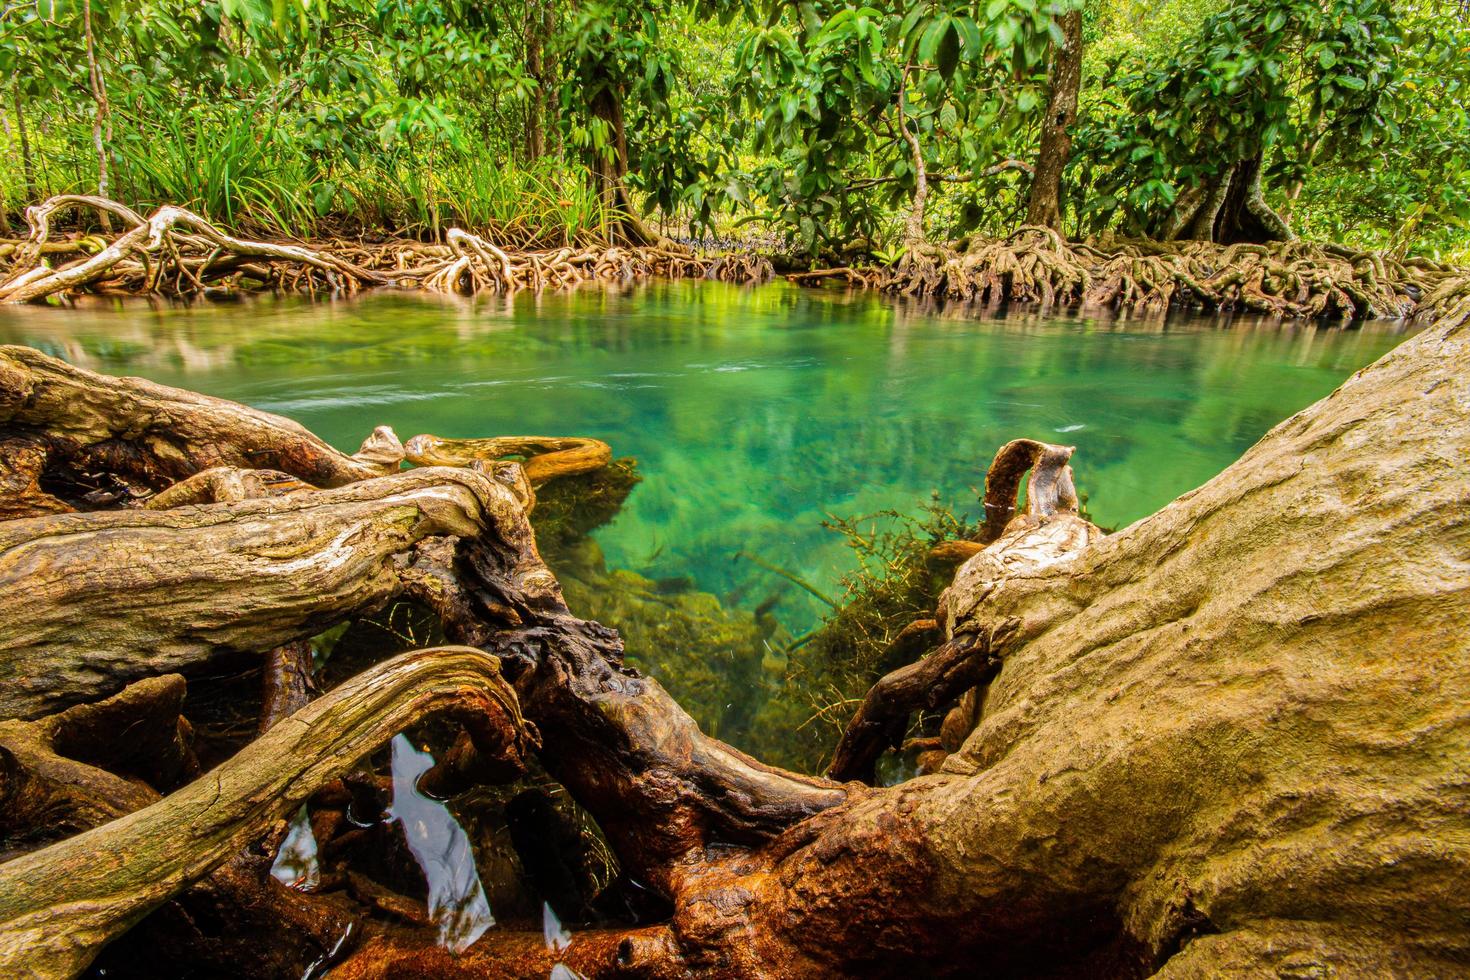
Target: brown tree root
{"points": [[1288, 278], [544, 457], [65, 423], [59, 905], [1008, 544], [93, 763], [259, 573], [177, 252]]}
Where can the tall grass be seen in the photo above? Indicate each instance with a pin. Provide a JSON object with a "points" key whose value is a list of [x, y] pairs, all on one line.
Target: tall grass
{"points": [[247, 166], [235, 164]]}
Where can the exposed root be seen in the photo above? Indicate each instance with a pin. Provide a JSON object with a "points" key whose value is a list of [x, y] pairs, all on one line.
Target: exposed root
{"points": [[545, 457], [59, 905], [1294, 278], [177, 252], [1007, 544]]}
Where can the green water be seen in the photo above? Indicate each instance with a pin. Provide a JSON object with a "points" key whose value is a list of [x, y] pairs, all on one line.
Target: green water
{"points": [[753, 412]]}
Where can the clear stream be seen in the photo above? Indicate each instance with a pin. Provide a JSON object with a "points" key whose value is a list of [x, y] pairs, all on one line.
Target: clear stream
{"points": [[753, 412]]}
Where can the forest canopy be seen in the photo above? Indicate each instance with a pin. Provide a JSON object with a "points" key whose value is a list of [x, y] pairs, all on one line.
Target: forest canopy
{"points": [[822, 128]]}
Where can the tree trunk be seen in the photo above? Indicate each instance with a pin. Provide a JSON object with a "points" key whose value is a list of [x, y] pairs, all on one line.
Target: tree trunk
{"points": [[610, 167], [913, 236], [537, 29], [1244, 215], [27, 167], [102, 117], [1045, 204]]}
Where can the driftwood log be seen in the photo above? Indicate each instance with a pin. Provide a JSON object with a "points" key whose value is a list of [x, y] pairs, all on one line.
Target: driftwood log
{"points": [[1227, 740]]}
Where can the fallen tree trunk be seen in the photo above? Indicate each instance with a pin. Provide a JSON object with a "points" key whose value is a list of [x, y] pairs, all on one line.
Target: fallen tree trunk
{"points": [[59, 905]]}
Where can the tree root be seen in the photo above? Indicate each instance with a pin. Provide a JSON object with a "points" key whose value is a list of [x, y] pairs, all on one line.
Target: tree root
{"points": [[59, 905], [179, 253], [1290, 278], [260, 573], [545, 457], [1007, 544]]}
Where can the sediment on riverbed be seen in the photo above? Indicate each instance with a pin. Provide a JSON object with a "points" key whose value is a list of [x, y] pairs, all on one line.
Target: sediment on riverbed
{"points": [[176, 252]]}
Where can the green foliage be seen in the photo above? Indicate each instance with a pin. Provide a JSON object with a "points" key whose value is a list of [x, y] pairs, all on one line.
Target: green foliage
{"points": [[893, 584], [830, 90], [405, 116]]}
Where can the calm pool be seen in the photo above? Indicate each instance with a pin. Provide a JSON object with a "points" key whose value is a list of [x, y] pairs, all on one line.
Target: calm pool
{"points": [[753, 412]]}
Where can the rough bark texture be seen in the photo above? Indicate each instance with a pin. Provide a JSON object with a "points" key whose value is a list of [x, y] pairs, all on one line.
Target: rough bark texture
{"points": [[151, 435], [546, 457], [59, 905], [1045, 204], [259, 573]]}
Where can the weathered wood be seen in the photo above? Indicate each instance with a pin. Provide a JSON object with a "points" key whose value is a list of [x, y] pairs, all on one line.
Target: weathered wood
{"points": [[172, 590], [59, 905], [93, 763], [932, 682], [155, 435], [545, 457], [70, 771], [1012, 543], [660, 788]]}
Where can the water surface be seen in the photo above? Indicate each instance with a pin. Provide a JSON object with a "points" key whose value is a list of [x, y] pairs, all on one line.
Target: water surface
{"points": [[753, 412]]}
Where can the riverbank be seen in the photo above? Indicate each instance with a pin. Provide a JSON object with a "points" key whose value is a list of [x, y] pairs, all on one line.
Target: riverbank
{"points": [[176, 252]]}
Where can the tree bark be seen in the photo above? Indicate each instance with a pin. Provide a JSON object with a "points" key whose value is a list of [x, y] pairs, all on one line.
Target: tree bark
{"points": [[260, 573], [1045, 204], [153, 435], [609, 167], [1244, 215], [59, 905], [102, 117], [537, 30]]}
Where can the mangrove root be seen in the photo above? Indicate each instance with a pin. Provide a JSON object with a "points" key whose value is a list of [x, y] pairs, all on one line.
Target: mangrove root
{"points": [[174, 251], [59, 905], [1287, 278]]}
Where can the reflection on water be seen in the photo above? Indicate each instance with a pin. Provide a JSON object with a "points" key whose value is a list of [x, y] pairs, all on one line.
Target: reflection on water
{"points": [[457, 903], [556, 936], [296, 865], [754, 412]]}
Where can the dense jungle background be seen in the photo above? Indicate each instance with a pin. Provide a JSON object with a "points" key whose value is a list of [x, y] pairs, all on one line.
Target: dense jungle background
{"points": [[820, 129]]}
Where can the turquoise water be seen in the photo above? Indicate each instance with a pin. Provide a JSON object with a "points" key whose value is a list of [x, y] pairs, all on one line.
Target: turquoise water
{"points": [[753, 412]]}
